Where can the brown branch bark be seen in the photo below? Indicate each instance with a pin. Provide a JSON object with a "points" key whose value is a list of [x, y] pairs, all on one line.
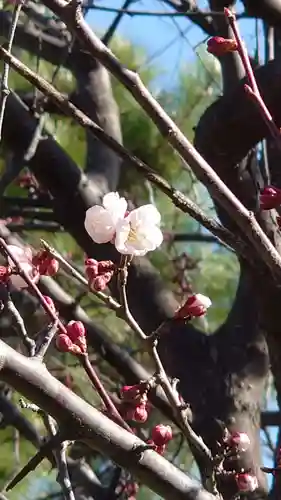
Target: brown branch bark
{"points": [[82, 421]]}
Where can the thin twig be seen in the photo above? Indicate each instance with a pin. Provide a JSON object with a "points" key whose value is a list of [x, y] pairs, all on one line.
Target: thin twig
{"points": [[110, 406], [49, 310], [179, 410], [20, 326], [63, 477], [252, 90], [5, 76], [45, 339]]}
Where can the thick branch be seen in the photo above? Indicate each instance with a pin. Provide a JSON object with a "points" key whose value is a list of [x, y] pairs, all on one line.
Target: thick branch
{"points": [[78, 418], [231, 126]]}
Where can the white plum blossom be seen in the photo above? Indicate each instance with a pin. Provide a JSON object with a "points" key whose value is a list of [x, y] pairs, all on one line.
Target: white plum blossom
{"points": [[24, 258], [133, 233], [101, 221], [139, 232]]}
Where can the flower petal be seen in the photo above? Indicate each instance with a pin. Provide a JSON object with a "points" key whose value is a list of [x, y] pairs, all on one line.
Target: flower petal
{"points": [[147, 214], [115, 205], [122, 233], [99, 224]]}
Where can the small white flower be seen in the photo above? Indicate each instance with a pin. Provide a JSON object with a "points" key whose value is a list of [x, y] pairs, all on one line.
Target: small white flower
{"points": [[138, 233], [101, 221], [24, 257]]}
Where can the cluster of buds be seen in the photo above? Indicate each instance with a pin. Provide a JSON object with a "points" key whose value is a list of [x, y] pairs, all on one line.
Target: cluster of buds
{"points": [[98, 273], [45, 263], [74, 340], [136, 402], [270, 197], [195, 306], [160, 436], [219, 46]]}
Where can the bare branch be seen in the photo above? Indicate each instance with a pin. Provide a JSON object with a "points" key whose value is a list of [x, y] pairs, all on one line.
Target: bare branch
{"points": [[33, 381]]}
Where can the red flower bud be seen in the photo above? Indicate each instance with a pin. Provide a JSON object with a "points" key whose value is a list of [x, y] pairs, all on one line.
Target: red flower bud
{"points": [[45, 263], [100, 282], [130, 392], [105, 266], [64, 344], [196, 305], [77, 333], [218, 46], [246, 482], [138, 414], [270, 197], [50, 302], [161, 434], [239, 440]]}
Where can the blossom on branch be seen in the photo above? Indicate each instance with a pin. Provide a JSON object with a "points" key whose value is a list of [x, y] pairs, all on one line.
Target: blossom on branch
{"points": [[101, 221], [133, 233], [139, 232]]}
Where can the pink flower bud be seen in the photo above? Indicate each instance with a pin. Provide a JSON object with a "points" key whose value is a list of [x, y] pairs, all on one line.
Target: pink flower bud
{"points": [[50, 302], [240, 440], [77, 333], [219, 46], [100, 282], [75, 330], [270, 197], [105, 266], [64, 344], [246, 482], [140, 414], [195, 306], [161, 434], [130, 392], [92, 271], [45, 263]]}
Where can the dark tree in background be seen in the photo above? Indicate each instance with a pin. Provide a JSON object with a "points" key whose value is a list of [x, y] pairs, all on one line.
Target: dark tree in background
{"points": [[64, 145]]}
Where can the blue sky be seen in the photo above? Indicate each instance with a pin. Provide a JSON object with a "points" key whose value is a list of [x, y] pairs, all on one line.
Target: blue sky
{"points": [[169, 42]]}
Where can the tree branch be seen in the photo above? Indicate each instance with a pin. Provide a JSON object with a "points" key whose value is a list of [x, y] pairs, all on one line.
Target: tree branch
{"points": [[78, 418]]}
